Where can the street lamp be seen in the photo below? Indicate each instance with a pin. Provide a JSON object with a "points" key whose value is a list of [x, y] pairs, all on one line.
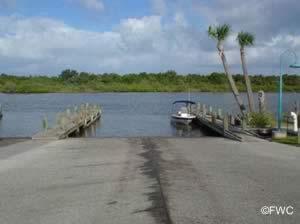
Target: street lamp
{"points": [[294, 65]]}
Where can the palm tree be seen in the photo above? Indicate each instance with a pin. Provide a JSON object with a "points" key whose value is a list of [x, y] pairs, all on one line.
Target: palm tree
{"points": [[221, 33], [246, 39]]}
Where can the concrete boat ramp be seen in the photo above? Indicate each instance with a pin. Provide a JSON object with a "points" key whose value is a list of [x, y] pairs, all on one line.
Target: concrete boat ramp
{"points": [[147, 180]]}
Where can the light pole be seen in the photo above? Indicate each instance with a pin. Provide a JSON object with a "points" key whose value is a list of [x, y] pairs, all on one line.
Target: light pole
{"points": [[294, 65]]}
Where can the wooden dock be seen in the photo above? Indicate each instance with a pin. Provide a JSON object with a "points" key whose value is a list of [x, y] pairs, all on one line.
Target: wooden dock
{"points": [[217, 127], [221, 125], [71, 124]]}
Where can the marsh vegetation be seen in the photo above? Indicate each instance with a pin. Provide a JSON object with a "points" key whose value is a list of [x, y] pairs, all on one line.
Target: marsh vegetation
{"points": [[71, 81]]}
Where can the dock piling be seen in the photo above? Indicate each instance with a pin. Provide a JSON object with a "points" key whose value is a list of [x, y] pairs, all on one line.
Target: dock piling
{"points": [[204, 111], [244, 123], [232, 119], [45, 123], [198, 108], [225, 123], [210, 110], [219, 116], [213, 118]]}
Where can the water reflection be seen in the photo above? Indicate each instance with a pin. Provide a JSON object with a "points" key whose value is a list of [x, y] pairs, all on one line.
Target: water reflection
{"points": [[186, 130], [177, 129]]}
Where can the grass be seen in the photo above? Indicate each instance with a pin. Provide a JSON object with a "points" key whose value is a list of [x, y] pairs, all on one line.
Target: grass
{"points": [[290, 140]]}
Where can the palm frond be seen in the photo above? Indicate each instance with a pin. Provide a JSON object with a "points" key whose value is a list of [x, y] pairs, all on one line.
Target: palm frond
{"points": [[245, 39], [223, 31], [220, 32], [211, 32]]}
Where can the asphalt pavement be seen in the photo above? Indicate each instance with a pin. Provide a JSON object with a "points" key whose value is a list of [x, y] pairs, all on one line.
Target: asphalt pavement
{"points": [[148, 180]]}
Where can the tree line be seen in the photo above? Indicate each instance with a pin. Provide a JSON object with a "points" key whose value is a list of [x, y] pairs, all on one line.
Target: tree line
{"points": [[74, 81]]}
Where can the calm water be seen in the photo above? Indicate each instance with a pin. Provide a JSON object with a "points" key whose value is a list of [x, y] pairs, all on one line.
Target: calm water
{"points": [[124, 114]]}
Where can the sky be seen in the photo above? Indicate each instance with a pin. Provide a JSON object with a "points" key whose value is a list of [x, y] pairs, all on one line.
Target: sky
{"points": [[130, 36]]}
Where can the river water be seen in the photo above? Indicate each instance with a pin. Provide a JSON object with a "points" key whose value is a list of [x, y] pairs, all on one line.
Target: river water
{"points": [[124, 114]]}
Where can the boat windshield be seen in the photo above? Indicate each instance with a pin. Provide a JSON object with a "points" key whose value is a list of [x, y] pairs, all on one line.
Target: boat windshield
{"points": [[183, 110]]}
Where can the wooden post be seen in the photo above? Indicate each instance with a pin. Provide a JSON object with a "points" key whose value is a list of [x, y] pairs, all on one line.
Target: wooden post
{"points": [[75, 109], [213, 118], [45, 123], [219, 114], [198, 108], [99, 109], [68, 116], [232, 120], [95, 109], [296, 107], [68, 112], [262, 101], [210, 111], [204, 109], [244, 123], [225, 123], [63, 123]]}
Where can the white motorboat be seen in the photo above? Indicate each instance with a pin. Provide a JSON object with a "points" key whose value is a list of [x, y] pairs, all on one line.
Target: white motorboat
{"points": [[184, 114]]}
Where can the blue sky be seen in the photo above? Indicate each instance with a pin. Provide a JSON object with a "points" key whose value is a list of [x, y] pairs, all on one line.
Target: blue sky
{"points": [[45, 37]]}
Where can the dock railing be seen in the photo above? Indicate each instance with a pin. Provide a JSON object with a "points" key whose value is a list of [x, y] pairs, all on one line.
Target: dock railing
{"points": [[69, 122], [215, 120]]}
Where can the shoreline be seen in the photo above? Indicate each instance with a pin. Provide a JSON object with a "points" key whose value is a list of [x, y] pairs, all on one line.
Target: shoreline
{"points": [[96, 92], [6, 141]]}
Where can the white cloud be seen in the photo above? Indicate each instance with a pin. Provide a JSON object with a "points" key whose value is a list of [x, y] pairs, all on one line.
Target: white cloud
{"points": [[46, 46], [41, 45], [92, 5], [266, 18], [274, 23], [179, 19]]}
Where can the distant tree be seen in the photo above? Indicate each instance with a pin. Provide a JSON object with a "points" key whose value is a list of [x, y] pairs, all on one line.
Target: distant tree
{"points": [[83, 78], [221, 33], [68, 74], [217, 78]]}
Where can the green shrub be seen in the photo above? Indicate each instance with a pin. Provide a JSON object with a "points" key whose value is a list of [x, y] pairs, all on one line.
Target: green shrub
{"points": [[9, 87], [261, 120]]}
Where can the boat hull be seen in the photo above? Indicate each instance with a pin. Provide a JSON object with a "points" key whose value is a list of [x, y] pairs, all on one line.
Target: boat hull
{"points": [[183, 120]]}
